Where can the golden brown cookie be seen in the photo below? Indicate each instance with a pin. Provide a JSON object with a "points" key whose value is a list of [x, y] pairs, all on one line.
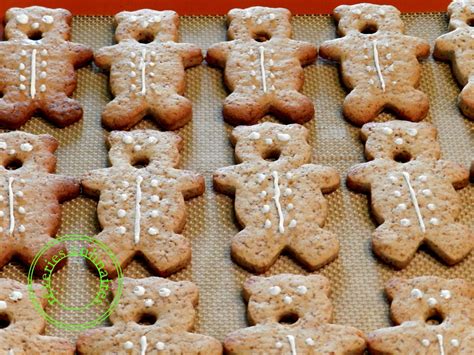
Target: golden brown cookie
{"points": [[431, 315], [292, 314], [30, 196], [457, 47], [154, 316], [147, 76], [22, 327], [412, 191], [378, 62], [37, 67], [263, 67], [141, 207], [279, 198]]}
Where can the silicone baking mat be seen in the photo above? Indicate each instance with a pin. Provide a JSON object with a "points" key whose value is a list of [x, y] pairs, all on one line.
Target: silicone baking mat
{"points": [[357, 277]]}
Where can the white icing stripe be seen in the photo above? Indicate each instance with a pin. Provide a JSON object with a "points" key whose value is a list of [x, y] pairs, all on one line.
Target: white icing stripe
{"points": [[377, 66], [291, 340], [33, 74], [143, 69], [441, 345], [143, 345], [414, 200], [11, 204], [276, 197], [138, 200], [262, 68]]}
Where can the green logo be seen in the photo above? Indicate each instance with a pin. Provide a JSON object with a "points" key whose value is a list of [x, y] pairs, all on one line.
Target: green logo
{"points": [[79, 247]]}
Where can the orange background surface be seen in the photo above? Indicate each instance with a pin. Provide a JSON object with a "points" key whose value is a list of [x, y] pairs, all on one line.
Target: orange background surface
{"points": [[215, 7]]}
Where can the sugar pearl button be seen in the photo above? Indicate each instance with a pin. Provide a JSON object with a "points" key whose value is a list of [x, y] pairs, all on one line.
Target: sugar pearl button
{"points": [[278, 345], [16, 296], [127, 139], [22, 18], [269, 141], [128, 345], [121, 230], [422, 178], [121, 213], [454, 342], [3, 305], [397, 193], [21, 228], [160, 346], [309, 342], [148, 302], [19, 194], [301, 289], [152, 231], [139, 290], [287, 299], [387, 130], [290, 206], [164, 292], [398, 141], [427, 192], [425, 342], [431, 206], [405, 222], [434, 221], [412, 132], [292, 223], [266, 208], [268, 224], [254, 135], [446, 294], [274, 290], [402, 206], [417, 293], [432, 302]]}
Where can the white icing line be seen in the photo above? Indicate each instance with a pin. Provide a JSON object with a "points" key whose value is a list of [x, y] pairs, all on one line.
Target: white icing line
{"points": [[143, 69], [291, 340], [138, 199], [276, 197], [33, 74], [414, 200], [143, 345], [11, 204], [377, 66], [262, 68], [440, 342]]}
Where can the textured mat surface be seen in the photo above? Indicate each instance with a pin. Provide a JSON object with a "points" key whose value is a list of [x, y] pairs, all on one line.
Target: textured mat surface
{"points": [[357, 277]]}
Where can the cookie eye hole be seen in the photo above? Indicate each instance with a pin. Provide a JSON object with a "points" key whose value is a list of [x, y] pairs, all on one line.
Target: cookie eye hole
{"points": [[146, 37], [402, 157], [261, 36], [13, 164], [4, 320], [470, 22], [434, 319], [35, 35], [288, 318], [147, 319], [141, 162], [272, 155], [369, 28]]}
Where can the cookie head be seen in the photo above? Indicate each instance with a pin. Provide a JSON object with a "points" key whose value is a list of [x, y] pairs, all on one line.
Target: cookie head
{"points": [[147, 26], [270, 141], [400, 141], [37, 23], [461, 14], [288, 299], [432, 300], [259, 23], [29, 152], [368, 19], [142, 148]]}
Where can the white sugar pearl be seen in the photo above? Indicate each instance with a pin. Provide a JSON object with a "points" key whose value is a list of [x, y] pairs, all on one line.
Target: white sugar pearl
{"points": [[148, 302], [16, 296], [139, 290], [154, 198], [154, 183], [417, 293], [422, 178], [121, 230], [266, 208], [259, 21], [128, 345], [26, 147], [137, 148], [2, 214], [393, 178], [48, 19], [12, 151], [302, 289], [412, 132], [254, 135], [292, 223], [23, 53], [283, 137], [3, 145], [405, 222], [124, 197], [278, 345], [402, 206], [288, 192], [397, 193], [434, 221], [22, 18], [160, 346], [287, 299], [164, 292], [289, 175], [309, 342], [44, 52], [387, 130], [274, 290], [398, 141], [263, 194], [21, 228], [290, 206], [446, 294], [22, 78], [125, 184], [454, 342], [42, 88], [127, 139], [154, 213], [133, 87], [121, 213], [3, 305], [152, 231], [427, 192], [152, 140], [389, 56], [432, 302], [268, 141], [425, 342], [21, 210], [267, 224], [22, 87], [431, 206], [43, 75], [260, 177], [44, 64]]}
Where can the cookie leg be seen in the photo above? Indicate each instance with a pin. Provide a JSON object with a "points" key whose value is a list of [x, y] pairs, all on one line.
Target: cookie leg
{"points": [[292, 106], [254, 251], [362, 106], [61, 110], [452, 242], [123, 112], [466, 100], [168, 254], [315, 249], [395, 246], [411, 104], [244, 108], [15, 110], [171, 111], [34, 246]]}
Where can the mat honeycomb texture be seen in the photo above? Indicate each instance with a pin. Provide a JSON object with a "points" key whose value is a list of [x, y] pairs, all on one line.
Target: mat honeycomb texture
{"points": [[357, 277]]}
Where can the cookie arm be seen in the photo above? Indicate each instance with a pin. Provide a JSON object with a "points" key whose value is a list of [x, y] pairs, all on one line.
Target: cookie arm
{"points": [[191, 54], [444, 47], [93, 181], [103, 57], [65, 187], [359, 177], [325, 177], [82, 54], [189, 183], [306, 52], [456, 173], [422, 47], [217, 54], [225, 180], [332, 50]]}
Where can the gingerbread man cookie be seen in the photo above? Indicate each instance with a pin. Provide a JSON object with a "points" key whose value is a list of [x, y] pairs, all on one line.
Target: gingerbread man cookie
{"points": [[30, 196], [22, 326], [379, 63], [263, 67], [279, 202], [431, 315], [37, 67], [147, 69], [292, 314], [153, 316], [457, 47], [413, 195], [141, 207]]}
